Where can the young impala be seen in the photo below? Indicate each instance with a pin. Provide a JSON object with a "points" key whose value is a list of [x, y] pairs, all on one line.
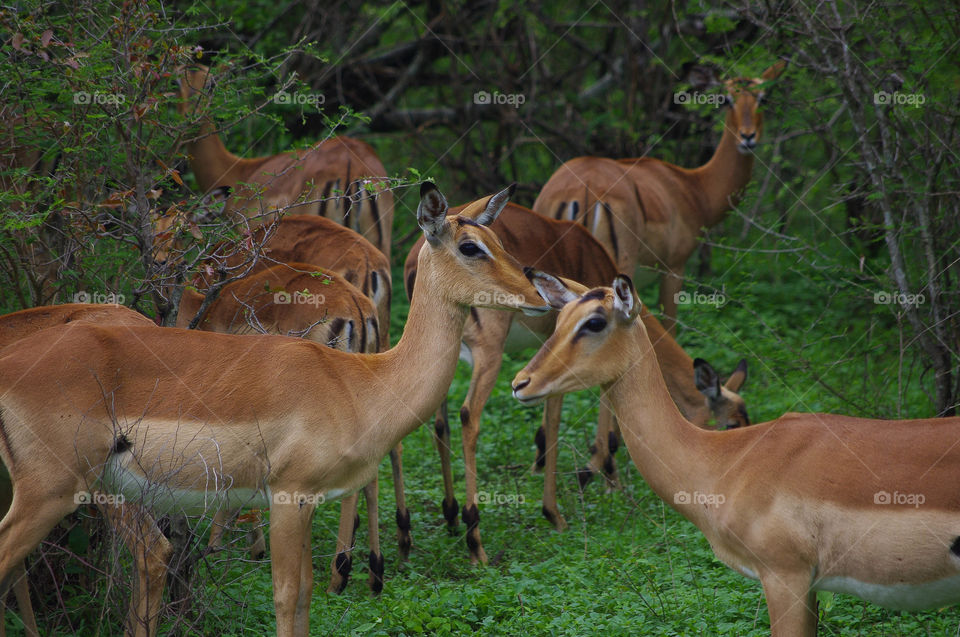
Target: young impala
{"points": [[185, 420], [803, 503], [649, 213]]}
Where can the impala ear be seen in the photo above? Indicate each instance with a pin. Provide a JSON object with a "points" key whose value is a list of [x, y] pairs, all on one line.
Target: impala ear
{"points": [[495, 206], [738, 377], [706, 378], [432, 212], [626, 303], [552, 289], [774, 71]]}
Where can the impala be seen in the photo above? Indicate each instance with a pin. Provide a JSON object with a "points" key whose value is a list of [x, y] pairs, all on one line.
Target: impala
{"points": [[19, 325], [187, 420], [328, 179], [299, 299], [566, 249], [802, 503], [649, 213]]}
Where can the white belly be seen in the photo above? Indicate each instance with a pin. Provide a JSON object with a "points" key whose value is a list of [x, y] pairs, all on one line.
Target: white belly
{"points": [[942, 592]]}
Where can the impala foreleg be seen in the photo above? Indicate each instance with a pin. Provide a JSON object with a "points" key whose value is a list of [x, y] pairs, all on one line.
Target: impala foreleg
{"points": [[346, 538], [791, 603], [21, 590], [291, 566], [551, 429], [441, 435], [370, 493], [671, 282], [151, 555], [404, 539], [604, 449]]}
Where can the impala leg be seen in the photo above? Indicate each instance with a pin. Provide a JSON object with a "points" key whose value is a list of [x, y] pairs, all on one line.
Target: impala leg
{"points": [[404, 539], [291, 567], [21, 589], [441, 434], [486, 348], [370, 492], [346, 538], [605, 445], [792, 605], [256, 542], [151, 555], [551, 428], [671, 282]]}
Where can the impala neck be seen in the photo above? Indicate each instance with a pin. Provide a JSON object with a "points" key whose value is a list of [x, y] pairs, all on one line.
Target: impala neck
{"points": [[667, 449], [212, 164], [412, 379], [723, 178]]}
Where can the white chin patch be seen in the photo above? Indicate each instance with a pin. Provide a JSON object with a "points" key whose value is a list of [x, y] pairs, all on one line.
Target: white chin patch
{"points": [[535, 311]]}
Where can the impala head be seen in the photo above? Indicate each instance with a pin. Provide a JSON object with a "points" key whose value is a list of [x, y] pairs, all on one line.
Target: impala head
{"points": [[743, 96], [726, 406], [468, 257], [192, 80], [591, 345]]}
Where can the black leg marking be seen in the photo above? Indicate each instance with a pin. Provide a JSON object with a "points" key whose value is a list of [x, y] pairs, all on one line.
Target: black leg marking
{"points": [[464, 416], [547, 513], [584, 476], [403, 532], [343, 565], [541, 439], [471, 517], [450, 513], [613, 442], [608, 466], [376, 572]]}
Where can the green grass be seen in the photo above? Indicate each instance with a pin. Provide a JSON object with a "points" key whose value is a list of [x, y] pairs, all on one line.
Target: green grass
{"points": [[628, 564]]}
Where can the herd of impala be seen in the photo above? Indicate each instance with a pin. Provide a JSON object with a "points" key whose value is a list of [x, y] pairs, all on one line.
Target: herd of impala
{"points": [[287, 393]]}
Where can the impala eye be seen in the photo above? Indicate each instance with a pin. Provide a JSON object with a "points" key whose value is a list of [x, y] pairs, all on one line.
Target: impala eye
{"points": [[596, 324], [470, 249]]}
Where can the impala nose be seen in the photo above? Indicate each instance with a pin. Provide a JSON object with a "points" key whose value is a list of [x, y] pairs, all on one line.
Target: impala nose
{"points": [[518, 385], [748, 140]]}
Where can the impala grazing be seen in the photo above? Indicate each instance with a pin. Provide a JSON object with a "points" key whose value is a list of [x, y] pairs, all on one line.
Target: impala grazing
{"points": [[802, 503], [649, 213], [328, 179], [565, 249], [185, 420]]}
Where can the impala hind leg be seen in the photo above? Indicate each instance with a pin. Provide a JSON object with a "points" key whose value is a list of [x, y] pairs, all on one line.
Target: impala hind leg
{"points": [[256, 542], [404, 539], [370, 493], [151, 555], [604, 448], [791, 603], [346, 538], [21, 590], [551, 428], [441, 435], [671, 282], [291, 567]]}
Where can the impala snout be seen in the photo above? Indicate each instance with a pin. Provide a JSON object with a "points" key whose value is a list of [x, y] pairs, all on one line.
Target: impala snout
{"points": [[748, 141], [521, 383]]}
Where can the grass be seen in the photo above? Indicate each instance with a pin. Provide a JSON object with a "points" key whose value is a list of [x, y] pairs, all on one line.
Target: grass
{"points": [[628, 564]]}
